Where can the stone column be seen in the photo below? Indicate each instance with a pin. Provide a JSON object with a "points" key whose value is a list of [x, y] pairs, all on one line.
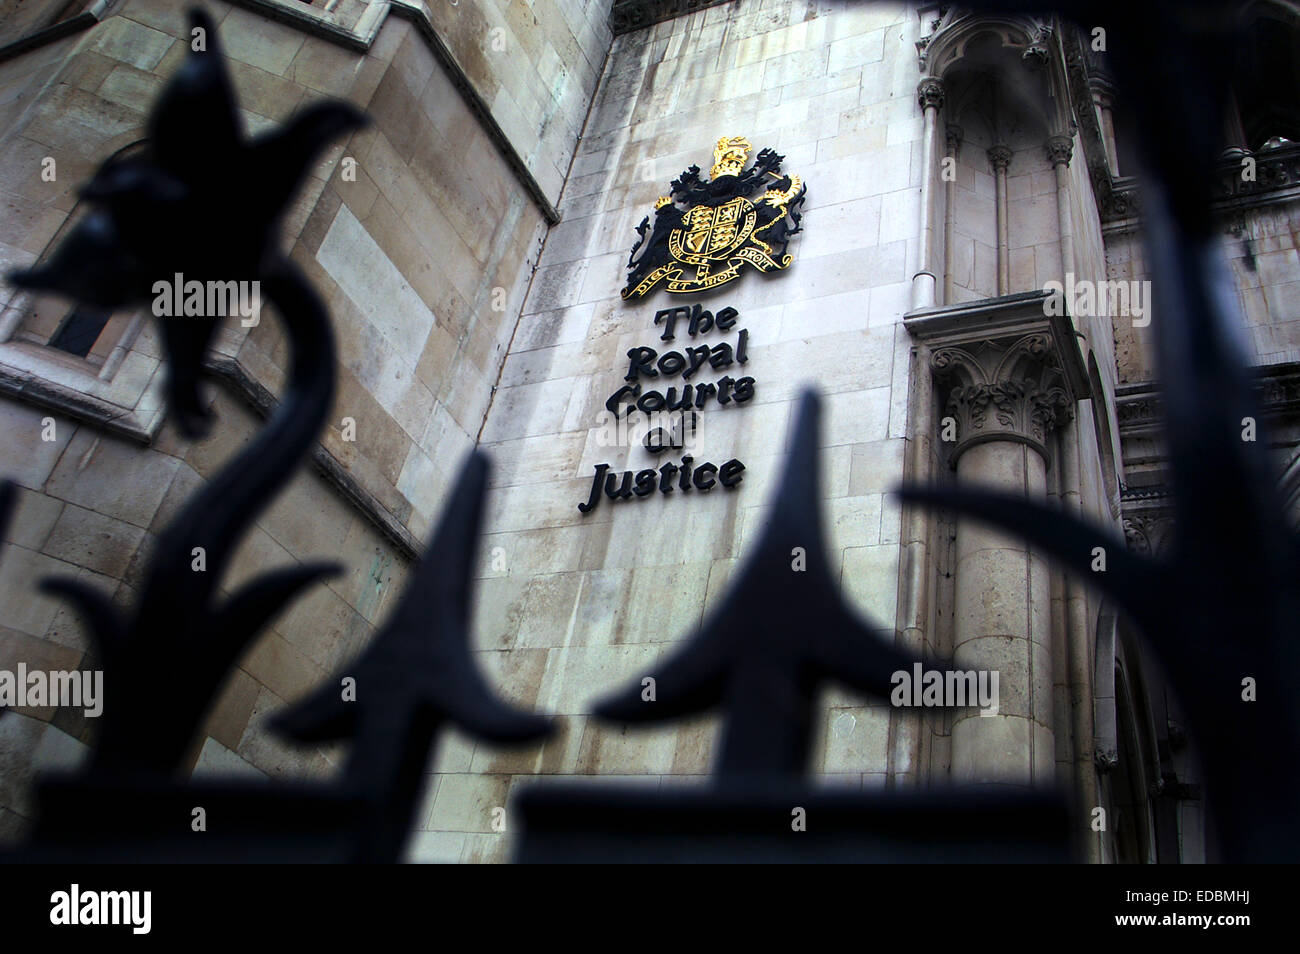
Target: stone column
{"points": [[1079, 661], [1007, 396], [1059, 151], [1000, 159], [1234, 132], [930, 96], [953, 141], [1103, 97]]}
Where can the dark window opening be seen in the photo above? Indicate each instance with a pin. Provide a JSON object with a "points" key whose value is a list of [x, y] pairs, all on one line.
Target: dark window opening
{"points": [[80, 330], [1128, 791], [1267, 79]]}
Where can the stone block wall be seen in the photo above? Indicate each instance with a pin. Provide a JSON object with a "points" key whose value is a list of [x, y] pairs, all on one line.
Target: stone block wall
{"points": [[1134, 347], [465, 318], [535, 65], [573, 606], [1264, 255], [1259, 247], [423, 260], [90, 506], [1032, 225]]}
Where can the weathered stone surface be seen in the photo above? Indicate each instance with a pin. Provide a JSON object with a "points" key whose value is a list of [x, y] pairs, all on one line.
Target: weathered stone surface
{"points": [[462, 321]]}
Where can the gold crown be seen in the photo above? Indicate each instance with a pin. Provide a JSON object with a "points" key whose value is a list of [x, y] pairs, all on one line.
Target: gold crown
{"points": [[730, 156], [662, 201]]}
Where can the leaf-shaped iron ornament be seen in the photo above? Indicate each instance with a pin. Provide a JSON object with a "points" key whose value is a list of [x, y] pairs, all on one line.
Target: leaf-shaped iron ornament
{"points": [[416, 674], [1223, 604], [202, 202], [779, 633]]}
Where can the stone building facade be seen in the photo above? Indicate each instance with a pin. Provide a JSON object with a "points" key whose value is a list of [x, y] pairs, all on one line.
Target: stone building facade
{"points": [[967, 175]]}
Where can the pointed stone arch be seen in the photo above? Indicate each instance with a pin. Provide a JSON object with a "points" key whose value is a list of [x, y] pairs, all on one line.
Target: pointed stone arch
{"points": [[1265, 111], [1125, 741], [1007, 48]]}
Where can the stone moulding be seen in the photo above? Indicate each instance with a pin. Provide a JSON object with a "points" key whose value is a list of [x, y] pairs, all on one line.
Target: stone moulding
{"points": [[1277, 177], [56, 31], [627, 16], [1146, 530], [953, 30], [359, 38], [1017, 410], [1139, 411], [1009, 371], [1119, 198], [28, 387], [141, 427], [238, 379], [1116, 198], [1140, 414], [475, 102]]}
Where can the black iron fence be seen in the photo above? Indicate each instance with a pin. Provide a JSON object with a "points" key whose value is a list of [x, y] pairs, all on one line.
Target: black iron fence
{"points": [[1221, 605]]}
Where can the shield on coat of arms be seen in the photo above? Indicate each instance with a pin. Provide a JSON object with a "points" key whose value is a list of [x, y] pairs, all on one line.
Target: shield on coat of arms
{"points": [[713, 233], [706, 230]]}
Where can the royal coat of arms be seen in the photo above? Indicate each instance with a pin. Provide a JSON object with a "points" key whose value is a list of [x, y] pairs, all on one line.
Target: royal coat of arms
{"points": [[706, 230]]}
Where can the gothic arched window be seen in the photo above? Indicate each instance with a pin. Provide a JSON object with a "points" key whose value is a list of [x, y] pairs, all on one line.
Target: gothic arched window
{"points": [[1267, 77]]}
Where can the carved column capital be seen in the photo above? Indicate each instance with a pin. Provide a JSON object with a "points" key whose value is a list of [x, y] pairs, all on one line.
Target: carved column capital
{"points": [[1148, 533], [1015, 411], [1037, 53], [1011, 391], [1060, 150], [929, 93], [1106, 758], [999, 157], [1103, 89], [1006, 369], [1103, 97]]}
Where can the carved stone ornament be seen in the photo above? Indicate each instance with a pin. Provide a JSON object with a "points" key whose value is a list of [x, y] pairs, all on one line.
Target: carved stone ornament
{"points": [[1016, 393], [1106, 758], [627, 16], [1000, 157], [1060, 149], [1038, 52], [1148, 533], [929, 92]]}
